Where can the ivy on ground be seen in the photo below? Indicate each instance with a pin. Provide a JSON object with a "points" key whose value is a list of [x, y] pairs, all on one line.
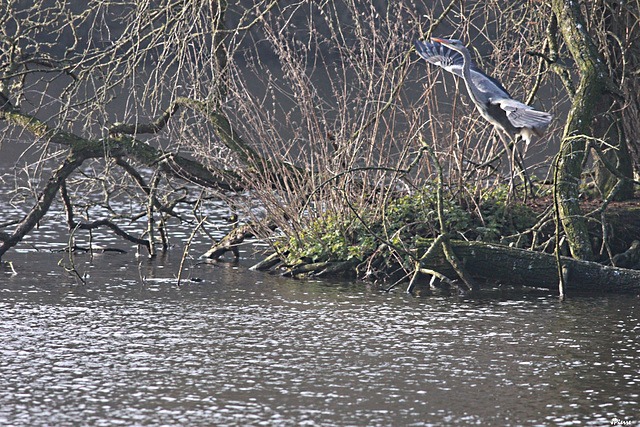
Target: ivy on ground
{"points": [[405, 221]]}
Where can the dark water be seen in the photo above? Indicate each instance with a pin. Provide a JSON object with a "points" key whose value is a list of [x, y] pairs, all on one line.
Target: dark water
{"points": [[245, 348]]}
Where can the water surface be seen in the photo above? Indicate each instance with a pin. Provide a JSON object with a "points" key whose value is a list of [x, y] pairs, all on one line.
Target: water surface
{"points": [[245, 348], [235, 347]]}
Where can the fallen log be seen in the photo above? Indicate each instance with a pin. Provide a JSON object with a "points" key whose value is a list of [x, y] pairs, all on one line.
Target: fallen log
{"points": [[267, 263], [511, 266], [231, 241]]}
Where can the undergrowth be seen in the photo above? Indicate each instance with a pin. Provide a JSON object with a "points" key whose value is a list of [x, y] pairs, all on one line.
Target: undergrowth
{"points": [[405, 222]]}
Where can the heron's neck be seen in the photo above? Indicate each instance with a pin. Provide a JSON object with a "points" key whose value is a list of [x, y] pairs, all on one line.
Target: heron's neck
{"points": [[466, 74]]}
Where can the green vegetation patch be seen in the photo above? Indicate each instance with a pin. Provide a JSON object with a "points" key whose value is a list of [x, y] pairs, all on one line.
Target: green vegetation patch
{"points": [[405, 221]]}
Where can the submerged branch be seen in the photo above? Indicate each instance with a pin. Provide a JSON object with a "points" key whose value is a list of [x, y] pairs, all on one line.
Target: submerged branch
{"points": [[48, 193], [82, 149], [231, 241], [74, 225]]}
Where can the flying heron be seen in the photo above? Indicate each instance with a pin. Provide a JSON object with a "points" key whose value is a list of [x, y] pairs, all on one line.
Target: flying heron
{"points": [[511, 118]]}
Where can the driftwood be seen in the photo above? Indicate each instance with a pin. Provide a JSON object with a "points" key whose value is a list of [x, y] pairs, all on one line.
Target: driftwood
{"points": [[231, 241], [506, 265], [267, 263], [495, 264]]}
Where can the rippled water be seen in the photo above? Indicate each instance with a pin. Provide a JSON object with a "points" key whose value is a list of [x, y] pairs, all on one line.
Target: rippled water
{"points": [[245, 348]]}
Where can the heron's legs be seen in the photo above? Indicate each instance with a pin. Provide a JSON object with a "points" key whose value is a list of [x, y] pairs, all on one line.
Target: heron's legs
{"points": [[510, 156], [516, 159], [528, 184]]}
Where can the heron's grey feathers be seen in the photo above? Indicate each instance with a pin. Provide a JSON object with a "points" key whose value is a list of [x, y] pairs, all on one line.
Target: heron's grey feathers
{"points": [[489, 89], [437, 54], [522, 115]]}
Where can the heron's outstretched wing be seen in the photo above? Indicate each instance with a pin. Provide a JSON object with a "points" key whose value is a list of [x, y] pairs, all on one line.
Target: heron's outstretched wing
{"points": [[442, 56], [452, 61], [521, 115]]}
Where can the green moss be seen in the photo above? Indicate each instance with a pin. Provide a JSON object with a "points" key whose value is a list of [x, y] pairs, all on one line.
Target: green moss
{"points": [[404, 222]]}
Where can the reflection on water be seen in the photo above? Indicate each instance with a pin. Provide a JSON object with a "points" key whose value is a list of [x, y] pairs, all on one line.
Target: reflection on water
{"points": [[244, 348]]}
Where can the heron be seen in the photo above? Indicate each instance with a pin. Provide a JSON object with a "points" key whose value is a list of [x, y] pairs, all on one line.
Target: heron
{"points": [[512, 119]]}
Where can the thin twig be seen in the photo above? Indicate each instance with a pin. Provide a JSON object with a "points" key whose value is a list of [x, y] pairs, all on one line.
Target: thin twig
{"points": [[446, 245], [419, 269], [441, 18], [72, 269], [186, 248], [556, 205]]}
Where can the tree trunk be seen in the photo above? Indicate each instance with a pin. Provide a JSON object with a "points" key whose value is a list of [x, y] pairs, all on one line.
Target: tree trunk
{"points": [[577, 129], [502, 264]]}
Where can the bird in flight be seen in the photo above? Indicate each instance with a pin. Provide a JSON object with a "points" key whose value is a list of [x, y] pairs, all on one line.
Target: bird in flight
{"points": [[510, 118]]}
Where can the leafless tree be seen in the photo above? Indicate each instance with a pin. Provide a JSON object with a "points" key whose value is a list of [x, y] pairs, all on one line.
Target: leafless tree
{"points": [[290, 111]]}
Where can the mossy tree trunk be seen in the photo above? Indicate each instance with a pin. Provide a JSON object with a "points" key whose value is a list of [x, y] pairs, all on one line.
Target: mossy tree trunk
{"points": [[489, 264], [601, 115], [502, 264], [577, 129]]}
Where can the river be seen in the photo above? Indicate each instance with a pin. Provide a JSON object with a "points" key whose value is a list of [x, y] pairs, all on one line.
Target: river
{"points": [[237, 347]]}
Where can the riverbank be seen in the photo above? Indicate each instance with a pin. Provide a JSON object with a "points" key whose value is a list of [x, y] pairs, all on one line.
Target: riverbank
{"points": [[394, 246]]}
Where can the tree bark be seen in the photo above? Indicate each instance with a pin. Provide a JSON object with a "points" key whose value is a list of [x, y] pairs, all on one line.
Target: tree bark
{"points": [[71, 163], [502, 264], [572, 151]]}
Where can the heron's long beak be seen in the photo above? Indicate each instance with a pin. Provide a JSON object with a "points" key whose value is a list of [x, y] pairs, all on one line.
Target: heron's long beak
{"points": [[443, 41]]}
